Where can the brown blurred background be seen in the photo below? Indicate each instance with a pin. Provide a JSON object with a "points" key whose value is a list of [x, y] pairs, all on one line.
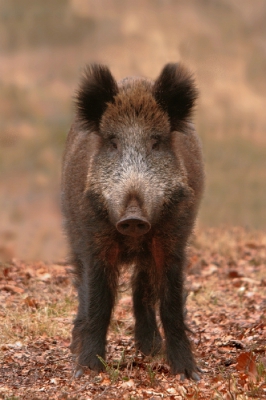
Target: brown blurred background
{"points": [[44, 46]]}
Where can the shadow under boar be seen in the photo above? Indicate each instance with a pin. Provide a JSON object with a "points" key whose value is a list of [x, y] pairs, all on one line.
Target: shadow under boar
{"points": [[131, 185]]}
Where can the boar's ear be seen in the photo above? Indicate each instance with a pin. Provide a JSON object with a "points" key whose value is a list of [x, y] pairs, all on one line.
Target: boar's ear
{"points": [[175, 91], [98, 87]]}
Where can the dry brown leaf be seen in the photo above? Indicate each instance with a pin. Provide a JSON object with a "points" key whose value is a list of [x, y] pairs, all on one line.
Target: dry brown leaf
{"points": [[246, 362], [31, 302], [12, 289]]}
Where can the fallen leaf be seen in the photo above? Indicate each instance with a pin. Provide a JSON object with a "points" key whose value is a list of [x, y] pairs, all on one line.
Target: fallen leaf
{"points": [[44, 277], [129, 383], [12, 289], [31, 302], [234, 274], [246, 362], [211, 269]]}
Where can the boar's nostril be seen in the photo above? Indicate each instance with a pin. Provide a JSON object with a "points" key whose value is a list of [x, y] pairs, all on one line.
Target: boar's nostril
{"points": [[133, 226], [124, 226], [141, 226]]}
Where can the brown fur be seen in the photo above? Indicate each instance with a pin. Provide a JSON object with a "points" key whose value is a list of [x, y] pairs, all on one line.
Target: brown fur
{"points": [[132, 151]]}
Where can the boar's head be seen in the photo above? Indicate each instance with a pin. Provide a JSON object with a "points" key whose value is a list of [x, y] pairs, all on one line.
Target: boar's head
{"points": [[137, 177]]}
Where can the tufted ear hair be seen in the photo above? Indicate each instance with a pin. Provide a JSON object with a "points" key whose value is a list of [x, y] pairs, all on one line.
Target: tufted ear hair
{"points": [[97, 88], [175, 91]]}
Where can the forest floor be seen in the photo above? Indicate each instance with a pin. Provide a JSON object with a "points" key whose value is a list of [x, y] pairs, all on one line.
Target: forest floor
{"points": [[226, 306]]}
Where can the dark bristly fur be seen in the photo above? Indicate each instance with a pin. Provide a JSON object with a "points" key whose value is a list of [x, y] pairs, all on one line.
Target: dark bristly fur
{"points": [[132, 181], [175, 91], [97, 89]]}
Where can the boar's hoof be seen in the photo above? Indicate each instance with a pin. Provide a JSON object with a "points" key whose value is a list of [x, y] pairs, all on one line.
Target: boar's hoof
{"points": [[79, 372], [94, 363], [183, 363], [188, 372], [194, 376], [133, 226]]}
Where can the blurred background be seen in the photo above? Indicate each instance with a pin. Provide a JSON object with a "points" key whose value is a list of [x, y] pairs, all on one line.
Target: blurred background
{"points": [[45, 44]]}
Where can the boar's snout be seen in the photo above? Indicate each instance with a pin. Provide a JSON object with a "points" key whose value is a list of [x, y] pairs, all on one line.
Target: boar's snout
{"points": [[133, 223], [133, 226]]}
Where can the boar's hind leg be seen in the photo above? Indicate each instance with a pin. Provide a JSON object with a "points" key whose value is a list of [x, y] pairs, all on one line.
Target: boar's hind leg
{"points": [[96, 300], [147, 337], [178, 347]]}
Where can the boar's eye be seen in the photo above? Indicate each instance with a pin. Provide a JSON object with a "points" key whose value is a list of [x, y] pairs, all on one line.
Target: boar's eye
{"points": [[114, 143], [155, 143]]}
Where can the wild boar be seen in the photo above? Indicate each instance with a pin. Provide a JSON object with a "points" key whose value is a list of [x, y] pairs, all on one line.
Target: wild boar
{"points": [[132, 181]]}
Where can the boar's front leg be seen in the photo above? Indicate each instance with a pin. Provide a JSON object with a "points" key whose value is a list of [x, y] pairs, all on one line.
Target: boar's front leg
{"points": [[147, 337], [96, 294], [178, 348]]}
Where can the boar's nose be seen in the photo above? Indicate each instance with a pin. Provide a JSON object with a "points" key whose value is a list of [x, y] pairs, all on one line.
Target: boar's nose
{"points": [[132, 222], [133, 226]]}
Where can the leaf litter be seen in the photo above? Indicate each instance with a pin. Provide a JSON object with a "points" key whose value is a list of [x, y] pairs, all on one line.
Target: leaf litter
{"points": [[226, 311]]}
